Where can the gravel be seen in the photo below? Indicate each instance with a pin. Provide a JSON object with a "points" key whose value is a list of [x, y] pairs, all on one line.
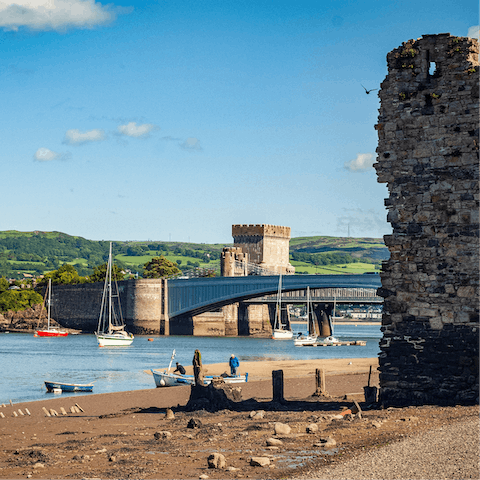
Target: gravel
{"points": [[447, 453]]}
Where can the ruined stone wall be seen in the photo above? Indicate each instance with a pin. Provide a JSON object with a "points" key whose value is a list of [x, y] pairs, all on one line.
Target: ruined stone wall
{"points": [[428, 156], [266, 245]]}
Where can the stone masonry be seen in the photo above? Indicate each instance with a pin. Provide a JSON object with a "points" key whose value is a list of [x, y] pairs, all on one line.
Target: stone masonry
{"points": [[265, 245], [428, 130]]}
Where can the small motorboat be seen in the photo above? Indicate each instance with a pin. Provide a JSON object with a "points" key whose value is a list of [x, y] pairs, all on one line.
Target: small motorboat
{"points": [[57, 387]]}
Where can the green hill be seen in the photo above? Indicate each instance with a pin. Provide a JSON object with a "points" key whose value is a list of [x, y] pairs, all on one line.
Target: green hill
{"points": [[34, 253]]}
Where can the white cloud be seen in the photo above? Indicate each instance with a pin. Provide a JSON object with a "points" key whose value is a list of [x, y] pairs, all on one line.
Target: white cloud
{"points": [[362, 163], [54, 14], [473, 32], [191, 143], [46, 155], [133, 130], [75, 137]]}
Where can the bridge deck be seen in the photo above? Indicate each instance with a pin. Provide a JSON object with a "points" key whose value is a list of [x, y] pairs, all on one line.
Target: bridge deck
{"points": [[198, 295]]}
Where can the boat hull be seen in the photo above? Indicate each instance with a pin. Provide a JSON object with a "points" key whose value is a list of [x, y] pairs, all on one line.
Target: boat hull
{"points": [[51, 333], [114, 340], [68, 387], [164, 379], [282, 334], [305, 341]]}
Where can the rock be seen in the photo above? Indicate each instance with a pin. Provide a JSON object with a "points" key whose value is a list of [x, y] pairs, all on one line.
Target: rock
{"points": [[377, 423], [38, 465], [232, 469], [257, 415], [260, 461], [274, 442], [216, 460], [163, 435], [326, 442], [203, 476], [312, 428], [194, 423], [112, 458], [169, 415], [282, 429]]}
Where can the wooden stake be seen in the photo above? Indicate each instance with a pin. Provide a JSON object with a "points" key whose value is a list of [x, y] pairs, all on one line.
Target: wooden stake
{"points": [[79, 407], [47, 413], [277, 384], [320, 383]]}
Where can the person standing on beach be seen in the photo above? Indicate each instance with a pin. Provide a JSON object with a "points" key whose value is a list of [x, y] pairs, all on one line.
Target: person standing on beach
{"points": [[197, 367], [234, 364]]}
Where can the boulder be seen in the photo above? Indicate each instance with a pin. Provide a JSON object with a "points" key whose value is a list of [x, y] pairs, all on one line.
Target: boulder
{"points": [[260, 461], [282, 429], [216, 460], [274, 442], [312, 428]]}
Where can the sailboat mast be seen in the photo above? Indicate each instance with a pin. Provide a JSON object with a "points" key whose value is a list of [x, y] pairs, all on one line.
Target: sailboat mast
{"points": [[109, 273], [49, 301]]}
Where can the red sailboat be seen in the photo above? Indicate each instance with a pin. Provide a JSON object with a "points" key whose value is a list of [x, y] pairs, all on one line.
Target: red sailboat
{"points": [[50, 331]]}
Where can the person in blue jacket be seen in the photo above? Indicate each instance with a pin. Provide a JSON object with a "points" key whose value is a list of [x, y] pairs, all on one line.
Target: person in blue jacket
{"points": [[234, 364]]}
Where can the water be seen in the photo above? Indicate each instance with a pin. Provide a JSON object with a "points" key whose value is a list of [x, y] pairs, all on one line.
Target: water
{"points": [[28, 361]]}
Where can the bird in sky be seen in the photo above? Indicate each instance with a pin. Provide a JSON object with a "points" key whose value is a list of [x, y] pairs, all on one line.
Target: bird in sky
{"points": [[368, 91]]}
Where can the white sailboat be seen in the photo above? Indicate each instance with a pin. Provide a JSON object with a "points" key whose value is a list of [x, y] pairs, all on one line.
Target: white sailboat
{"points": [[331, 340], [279, 332], [312, 337], [111, 328]]}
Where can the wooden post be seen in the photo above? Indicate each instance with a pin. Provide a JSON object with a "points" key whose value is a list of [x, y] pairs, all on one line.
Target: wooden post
{"points": [[320, 383], [277, 384]]}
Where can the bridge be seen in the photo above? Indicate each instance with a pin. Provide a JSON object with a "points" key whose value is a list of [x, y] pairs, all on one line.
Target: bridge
{"points": [[199, 295]]}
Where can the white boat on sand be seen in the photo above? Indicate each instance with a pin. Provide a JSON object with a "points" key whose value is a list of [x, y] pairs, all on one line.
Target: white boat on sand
{"points": [[166, 378]]}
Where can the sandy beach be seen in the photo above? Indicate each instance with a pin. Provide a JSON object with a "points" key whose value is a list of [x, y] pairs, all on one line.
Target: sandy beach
{"points": [[130, 435]]}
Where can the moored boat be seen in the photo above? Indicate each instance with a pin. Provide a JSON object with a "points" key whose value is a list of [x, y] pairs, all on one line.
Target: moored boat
{"points": [[50, 331], [310, 339], [68, 387], [280, 331], [168, 379], [111, 327]]}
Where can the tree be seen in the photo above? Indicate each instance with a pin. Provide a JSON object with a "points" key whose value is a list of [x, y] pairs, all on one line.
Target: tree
{"points": [[19, 300], [4, 284], [65, 275], [100, 272], [160, 267]]}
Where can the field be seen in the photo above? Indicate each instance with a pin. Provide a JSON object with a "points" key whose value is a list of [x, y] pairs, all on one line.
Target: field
{"points": [[34, 253]]}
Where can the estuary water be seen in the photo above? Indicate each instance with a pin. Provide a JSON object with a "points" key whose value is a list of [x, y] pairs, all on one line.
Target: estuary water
{"points": [[28, 361]]}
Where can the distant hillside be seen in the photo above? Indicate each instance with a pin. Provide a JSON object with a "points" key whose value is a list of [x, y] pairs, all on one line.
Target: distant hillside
{"points": [[34, 253]]}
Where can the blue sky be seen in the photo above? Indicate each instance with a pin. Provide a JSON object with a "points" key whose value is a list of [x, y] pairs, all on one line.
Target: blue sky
{"points": [[173, 120]]}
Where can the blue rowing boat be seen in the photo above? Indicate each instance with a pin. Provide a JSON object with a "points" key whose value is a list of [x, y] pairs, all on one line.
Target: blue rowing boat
{"points": [[68, 387]]}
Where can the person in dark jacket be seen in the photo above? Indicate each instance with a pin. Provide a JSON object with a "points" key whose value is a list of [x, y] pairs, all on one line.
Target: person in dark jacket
{"points": [[234, 364], [180, 369]]}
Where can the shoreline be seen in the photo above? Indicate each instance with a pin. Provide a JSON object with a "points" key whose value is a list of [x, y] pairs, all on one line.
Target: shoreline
{"points": [[296, 372]]}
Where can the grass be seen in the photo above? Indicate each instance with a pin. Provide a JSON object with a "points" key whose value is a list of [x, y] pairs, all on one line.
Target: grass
{"points": [[352, 268]]}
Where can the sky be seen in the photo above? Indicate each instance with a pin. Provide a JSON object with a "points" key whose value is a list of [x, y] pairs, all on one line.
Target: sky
{"points": [[174, 120]]}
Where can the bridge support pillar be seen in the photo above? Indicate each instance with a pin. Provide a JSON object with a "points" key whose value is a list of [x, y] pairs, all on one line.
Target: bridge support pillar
{"points": [[230, 314], [323, 311], [254, 320]]}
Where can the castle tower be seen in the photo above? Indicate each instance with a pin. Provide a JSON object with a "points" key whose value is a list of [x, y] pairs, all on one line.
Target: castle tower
{"points": [[428, 134], [266, 245]]}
